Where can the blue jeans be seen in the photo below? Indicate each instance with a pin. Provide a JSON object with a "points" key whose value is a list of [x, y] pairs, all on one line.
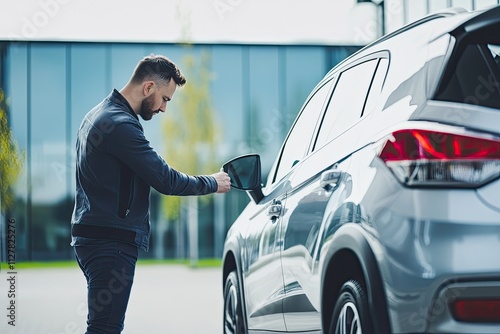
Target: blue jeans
{"points": [[109, 268]]}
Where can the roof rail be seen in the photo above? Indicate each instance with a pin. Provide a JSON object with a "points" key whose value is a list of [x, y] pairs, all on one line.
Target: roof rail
{"points": [[450, 11], [435, 15]]}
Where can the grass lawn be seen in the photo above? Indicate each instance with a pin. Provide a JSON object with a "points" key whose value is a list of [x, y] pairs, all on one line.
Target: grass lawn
{"points": [[201, 263]]}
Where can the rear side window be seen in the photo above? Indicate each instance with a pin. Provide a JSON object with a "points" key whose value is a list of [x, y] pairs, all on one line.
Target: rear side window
{"points": [[473, 74], [347, 102]]}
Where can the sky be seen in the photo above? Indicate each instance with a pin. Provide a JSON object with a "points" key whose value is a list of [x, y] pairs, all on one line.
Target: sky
{"points": [[330, 22], [205, 21]]}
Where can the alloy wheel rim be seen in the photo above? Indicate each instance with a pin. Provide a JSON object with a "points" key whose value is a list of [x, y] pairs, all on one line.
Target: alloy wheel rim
{"points": [[230, 313], [348, 321]]}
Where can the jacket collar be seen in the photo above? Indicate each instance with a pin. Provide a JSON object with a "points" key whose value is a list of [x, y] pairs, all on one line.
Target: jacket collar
{"points": [[118, 98]]}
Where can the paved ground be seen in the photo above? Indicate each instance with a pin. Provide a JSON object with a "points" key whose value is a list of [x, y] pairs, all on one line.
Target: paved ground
{"points": [[170, 299]]}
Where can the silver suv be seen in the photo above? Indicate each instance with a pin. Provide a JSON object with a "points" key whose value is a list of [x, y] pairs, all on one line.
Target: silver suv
{"points": [[381, 213]]}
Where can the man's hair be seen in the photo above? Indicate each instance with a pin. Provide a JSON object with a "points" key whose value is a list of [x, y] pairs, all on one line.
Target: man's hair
{"points": [[159, 69]]}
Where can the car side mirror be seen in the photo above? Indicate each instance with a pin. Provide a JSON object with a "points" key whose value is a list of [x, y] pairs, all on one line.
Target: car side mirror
{"points": [[245, 173]]}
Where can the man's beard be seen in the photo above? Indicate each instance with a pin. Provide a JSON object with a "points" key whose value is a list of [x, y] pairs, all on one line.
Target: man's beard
{"points": [[147, 111]]}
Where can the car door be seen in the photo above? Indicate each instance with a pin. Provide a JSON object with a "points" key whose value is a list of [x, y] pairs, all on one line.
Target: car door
{"points": [[318, 187], [264, 291], [262, 272]]}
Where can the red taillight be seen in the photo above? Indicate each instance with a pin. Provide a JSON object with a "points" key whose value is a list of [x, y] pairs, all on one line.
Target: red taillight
{"points": [[476, 310], [426, 158]]}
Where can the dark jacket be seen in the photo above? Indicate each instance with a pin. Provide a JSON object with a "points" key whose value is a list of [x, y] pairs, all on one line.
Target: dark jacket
{"points": [[115, 168]]}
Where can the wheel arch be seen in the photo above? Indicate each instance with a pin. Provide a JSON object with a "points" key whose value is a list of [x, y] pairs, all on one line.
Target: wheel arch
{"points": [[350, 256], [229, 264]]}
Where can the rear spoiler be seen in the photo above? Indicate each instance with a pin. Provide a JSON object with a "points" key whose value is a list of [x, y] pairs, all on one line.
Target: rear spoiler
{"points": [[483, 19]]}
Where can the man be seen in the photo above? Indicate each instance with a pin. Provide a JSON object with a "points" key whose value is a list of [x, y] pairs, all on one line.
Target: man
{"points": [[115, 168]]}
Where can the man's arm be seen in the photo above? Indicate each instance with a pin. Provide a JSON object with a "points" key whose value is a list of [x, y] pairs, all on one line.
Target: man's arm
{"points": [[127, 143]]}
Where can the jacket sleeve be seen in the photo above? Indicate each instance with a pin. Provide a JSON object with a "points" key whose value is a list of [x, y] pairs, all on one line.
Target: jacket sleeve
{"points": [[128, 143]]}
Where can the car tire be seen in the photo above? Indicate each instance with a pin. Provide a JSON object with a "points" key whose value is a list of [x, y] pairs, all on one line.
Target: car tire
{"points": [[350, 314], [233, 314]]}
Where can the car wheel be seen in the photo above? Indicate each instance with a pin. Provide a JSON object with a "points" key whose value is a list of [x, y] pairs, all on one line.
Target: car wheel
{"points": [[350, 314], [233, 314]]}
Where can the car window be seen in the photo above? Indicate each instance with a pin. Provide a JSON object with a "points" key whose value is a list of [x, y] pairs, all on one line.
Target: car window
{"points": [[473, 74], [347, 101], [299, 137]]}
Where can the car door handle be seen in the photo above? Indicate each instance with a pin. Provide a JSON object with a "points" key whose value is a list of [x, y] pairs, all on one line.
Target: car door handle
{"points": [[274, 210], [330, 179]]}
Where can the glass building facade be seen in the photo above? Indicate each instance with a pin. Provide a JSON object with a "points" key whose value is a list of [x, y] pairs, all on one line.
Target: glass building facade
{"points": [[255, 93]]}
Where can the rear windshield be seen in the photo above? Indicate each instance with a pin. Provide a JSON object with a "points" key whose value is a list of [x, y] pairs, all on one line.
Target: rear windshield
{"points": [[473, 73]]}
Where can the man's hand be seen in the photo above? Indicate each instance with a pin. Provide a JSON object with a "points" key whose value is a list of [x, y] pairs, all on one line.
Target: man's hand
{"points": [[223, 182]]}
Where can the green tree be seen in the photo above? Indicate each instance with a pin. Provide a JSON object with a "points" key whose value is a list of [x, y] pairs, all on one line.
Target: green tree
{"points": [[192, 135], [190, 129], [10, 158]]}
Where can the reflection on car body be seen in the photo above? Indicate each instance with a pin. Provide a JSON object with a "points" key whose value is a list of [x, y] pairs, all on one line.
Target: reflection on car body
{"points": [[382, 210]]}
